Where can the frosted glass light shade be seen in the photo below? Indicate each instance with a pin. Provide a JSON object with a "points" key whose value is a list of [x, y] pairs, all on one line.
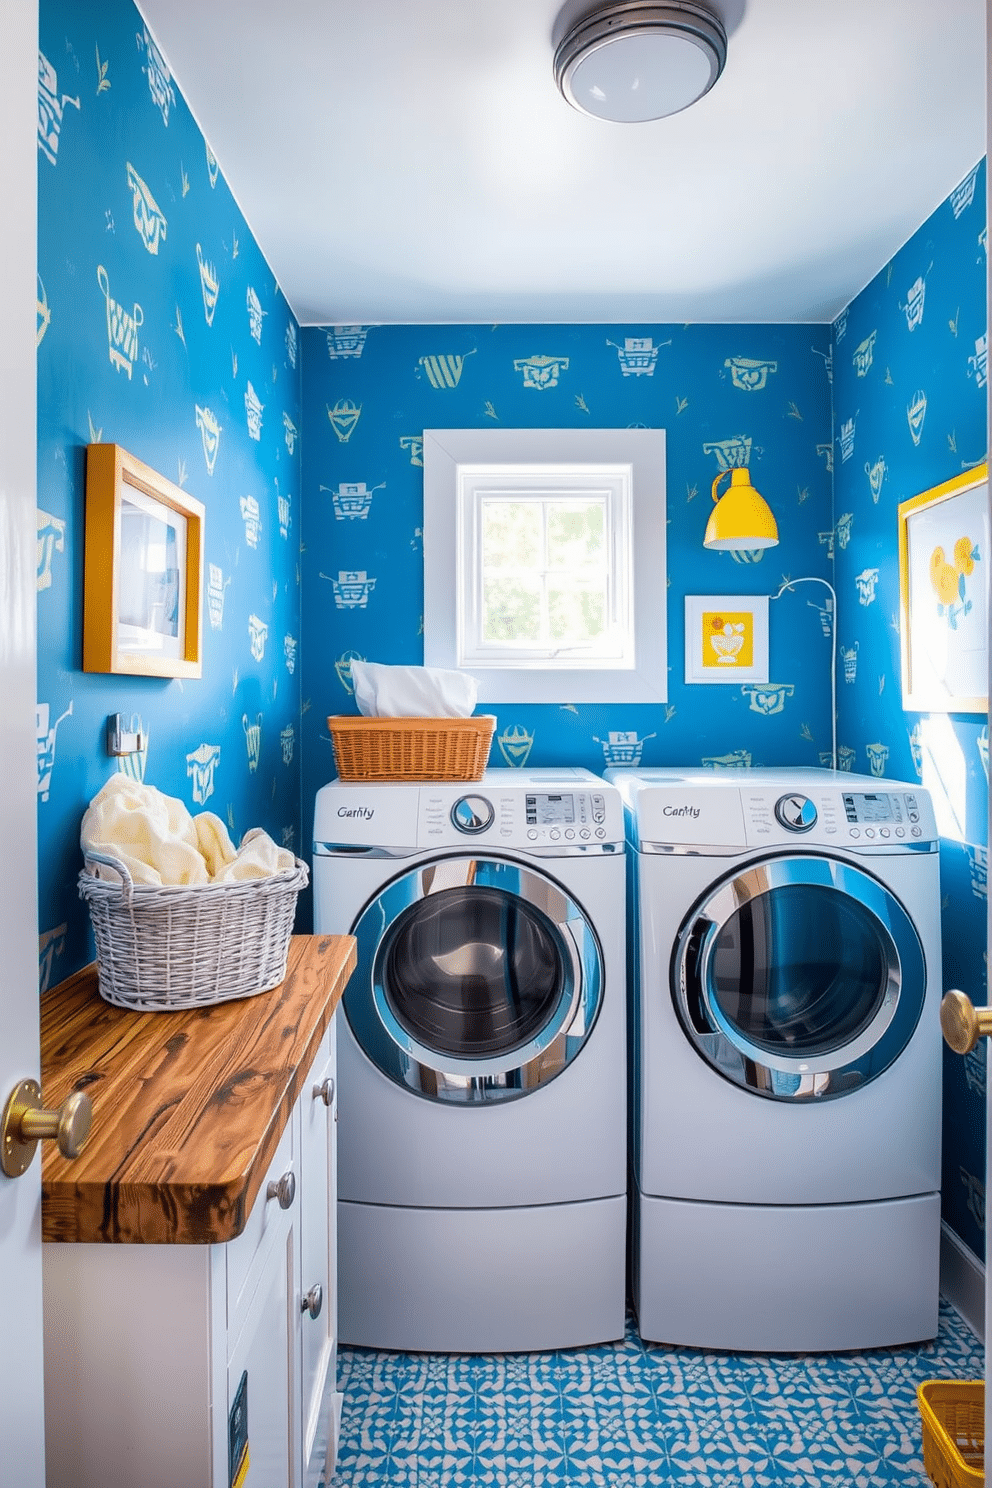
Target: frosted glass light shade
{"points": [[634, 61]]}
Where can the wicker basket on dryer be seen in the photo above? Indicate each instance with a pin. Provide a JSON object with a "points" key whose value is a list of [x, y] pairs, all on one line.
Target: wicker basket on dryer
{"points": [[172, 946], [411, 748]]}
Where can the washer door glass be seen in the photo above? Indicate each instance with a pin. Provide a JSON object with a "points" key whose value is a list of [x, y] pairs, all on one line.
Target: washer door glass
{"points": [[473, 971], [477, 979], [799, 977]]}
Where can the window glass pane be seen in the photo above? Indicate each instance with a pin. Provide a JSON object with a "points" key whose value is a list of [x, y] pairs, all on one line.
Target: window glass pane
{"points": [[511, 535], [576, 534], [576, 614], [511, 609]]}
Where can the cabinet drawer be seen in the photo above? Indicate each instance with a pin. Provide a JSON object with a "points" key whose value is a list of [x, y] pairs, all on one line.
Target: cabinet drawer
{"points": [[263, 1220]]}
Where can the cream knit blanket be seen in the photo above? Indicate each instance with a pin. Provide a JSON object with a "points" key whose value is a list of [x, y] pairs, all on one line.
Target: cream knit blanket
{"points": [[159, 842]]}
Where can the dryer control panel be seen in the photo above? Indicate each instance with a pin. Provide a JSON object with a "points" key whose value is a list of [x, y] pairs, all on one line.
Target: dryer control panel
{"points": [[700, 812], [861, 818], [858, 817], [880, 815], [796, 813]]}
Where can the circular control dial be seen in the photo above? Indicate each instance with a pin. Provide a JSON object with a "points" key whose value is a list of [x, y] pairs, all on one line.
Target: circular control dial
{"points": [[796, 813], [472, 814]]}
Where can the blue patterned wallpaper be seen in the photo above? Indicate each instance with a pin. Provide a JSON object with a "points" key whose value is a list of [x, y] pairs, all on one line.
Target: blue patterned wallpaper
{"points": [[910, 409], [727, 395], [160, 328]]}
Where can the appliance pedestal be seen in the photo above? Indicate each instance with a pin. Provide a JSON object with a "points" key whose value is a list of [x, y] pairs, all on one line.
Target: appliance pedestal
{"points": [[786, 1278], [482, 1280]]}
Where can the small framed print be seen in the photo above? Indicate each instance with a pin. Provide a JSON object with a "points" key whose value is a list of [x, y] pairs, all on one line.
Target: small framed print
{"points": [[726, 638], [143, 570]]}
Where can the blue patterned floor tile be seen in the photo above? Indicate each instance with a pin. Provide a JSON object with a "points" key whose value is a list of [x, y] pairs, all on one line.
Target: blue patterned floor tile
{"points": [[636, 1415]]}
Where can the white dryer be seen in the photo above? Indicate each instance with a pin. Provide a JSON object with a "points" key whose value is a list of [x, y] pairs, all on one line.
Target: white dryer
{"points": [[786, 1113], [481, 1059]]}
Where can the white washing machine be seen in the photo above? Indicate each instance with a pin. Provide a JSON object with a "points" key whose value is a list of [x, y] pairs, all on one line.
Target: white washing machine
{"points": [[786, 1115], [481, 1059]]}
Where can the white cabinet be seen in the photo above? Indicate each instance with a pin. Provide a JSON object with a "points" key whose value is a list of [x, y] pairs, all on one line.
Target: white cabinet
{"points": [[259, 1378], [147, 1346], [320, 1403]]}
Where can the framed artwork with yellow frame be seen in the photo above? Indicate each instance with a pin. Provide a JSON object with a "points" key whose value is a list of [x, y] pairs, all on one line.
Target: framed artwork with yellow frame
{"points": [[143, 570], [944, 595]]}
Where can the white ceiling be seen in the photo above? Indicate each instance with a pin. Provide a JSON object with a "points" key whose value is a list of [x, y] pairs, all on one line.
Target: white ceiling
{"points": [[413, 161]]}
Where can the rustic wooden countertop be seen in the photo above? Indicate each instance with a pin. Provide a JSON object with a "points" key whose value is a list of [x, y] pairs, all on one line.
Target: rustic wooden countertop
{"points": [[188, 1107]]}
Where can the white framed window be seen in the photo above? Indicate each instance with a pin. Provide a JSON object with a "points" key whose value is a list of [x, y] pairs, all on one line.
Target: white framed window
{"points": [[544, 567], [544, 562]]}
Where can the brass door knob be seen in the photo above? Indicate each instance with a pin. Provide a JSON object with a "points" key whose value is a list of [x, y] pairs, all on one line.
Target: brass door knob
{"points": [[25, 1123], [962, 1023]]}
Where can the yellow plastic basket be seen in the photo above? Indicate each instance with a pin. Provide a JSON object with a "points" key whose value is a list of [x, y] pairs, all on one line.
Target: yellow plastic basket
{"points": [[411, 748], [953, 1416]]}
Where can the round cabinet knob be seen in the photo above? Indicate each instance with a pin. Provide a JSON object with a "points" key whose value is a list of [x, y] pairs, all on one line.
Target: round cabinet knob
{"points": [[324, 1091], [796, 813], [283, 1189], [472, 814], [25, 1123], [313, 1300], [962, 1024]]}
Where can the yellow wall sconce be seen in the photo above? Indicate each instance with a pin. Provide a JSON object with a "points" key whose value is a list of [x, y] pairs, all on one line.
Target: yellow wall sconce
{"points": [[741, 520]]}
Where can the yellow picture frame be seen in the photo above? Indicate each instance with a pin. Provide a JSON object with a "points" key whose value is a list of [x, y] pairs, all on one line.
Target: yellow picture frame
{"points": [[143, 570], [944, 595]]}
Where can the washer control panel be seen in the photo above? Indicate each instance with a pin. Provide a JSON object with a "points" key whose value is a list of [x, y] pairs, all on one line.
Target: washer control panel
{"points": [[472, 814], [539, 819], [567, 812], [575, 816]]}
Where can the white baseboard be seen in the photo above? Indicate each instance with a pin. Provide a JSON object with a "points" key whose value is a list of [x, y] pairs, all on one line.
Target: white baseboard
{"points": [[962, 1280]]}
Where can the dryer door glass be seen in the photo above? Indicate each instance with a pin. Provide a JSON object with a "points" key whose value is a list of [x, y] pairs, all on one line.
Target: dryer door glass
{"points": [[478, 979], [799, 977], [802, 969]]}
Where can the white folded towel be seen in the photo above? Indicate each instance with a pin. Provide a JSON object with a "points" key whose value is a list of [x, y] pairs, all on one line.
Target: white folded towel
{"points": [[412, 691], [159, 842]]}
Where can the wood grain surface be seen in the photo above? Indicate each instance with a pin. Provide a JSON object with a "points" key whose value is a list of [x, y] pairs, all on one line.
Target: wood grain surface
{"points": [[188, 1107]]}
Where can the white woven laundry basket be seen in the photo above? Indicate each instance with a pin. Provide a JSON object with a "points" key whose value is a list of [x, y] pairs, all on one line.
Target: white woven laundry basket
{"points": [[176, 946]]}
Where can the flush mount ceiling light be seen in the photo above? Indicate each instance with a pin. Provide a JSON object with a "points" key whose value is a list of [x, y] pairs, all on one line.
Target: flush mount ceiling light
{"points": [[633, 61]]}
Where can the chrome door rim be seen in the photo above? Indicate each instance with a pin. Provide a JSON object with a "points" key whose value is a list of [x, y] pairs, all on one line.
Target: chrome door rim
{"points": [[441, 1076], [819, 1075]]}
